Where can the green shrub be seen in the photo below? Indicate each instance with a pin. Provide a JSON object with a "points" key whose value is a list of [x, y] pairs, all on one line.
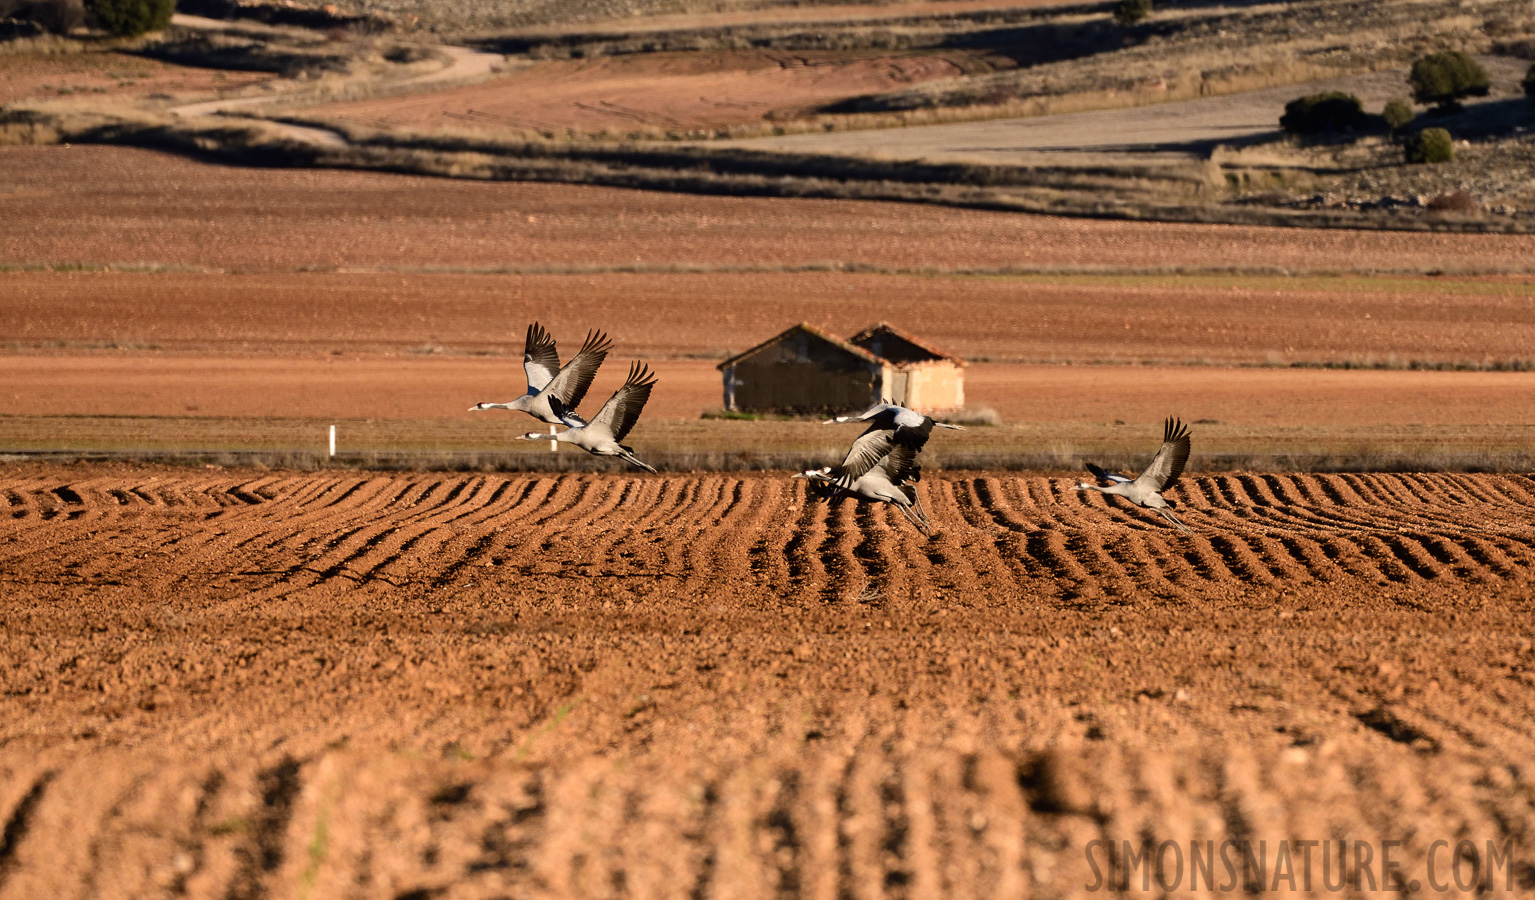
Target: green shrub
{"points": [[1398, 113], [1444, 79], [131, 17], [1321, 113], [1128, 12], [1529, 81], [1431, 145]]}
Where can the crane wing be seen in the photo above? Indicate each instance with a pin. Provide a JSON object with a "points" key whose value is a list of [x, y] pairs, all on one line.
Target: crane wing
{"points": [[914, 436], [901, 465], [622, 410], [573, 379], [539, 358], [867, 451], [567, 416], [880, 439], [1111, 477], [1167, 465]]}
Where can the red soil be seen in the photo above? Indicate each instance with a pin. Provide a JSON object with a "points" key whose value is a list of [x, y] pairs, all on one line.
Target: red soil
{"points": [[657, 90], [110, 205], [669, 314], [255, 684], [424, 388], [116, 75]]}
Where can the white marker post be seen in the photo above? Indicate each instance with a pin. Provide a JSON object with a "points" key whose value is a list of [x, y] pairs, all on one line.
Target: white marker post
{"points": [[554, 445], [333, 440]]}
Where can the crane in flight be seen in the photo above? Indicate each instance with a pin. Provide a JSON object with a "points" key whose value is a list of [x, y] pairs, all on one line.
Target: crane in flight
{"points": [[890, 426], [602, 436], [548, 381], [888, 481], [1146, 489]]}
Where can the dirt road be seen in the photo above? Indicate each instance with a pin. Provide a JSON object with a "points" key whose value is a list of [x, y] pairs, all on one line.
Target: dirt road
{"points": [[462, 64], [1147, 133], [253, 684]]}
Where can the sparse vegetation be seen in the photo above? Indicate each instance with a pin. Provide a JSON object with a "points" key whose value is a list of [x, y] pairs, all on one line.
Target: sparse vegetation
{"points": [[222, 51], [980, 416], [730, 414], [1431, 145], [1088, 64], [1330, 112], [1444, 79]]}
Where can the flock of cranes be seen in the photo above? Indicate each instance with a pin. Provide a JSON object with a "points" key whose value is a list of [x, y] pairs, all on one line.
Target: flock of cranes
{"points": [[554, 392], [880, 467]]}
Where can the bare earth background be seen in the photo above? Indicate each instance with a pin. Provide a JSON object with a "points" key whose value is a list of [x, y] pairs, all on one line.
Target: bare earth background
{"points": [[238, 682]]}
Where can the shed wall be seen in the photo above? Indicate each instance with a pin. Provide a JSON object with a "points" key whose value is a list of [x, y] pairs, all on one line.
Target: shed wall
{"points": [[935, 386], [801, 374]]}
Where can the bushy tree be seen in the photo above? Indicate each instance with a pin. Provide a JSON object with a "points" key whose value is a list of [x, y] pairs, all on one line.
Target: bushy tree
{"points": [[1444, 79], [1128, 12], [1431, 145], [131, 17], [1398, 113], [1330, 111]]}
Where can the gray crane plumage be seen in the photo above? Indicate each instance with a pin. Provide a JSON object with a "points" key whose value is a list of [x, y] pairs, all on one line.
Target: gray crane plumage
{"points": [[549, 383], [604, 434], [890, 426], [887, 481], [1146, 489]]}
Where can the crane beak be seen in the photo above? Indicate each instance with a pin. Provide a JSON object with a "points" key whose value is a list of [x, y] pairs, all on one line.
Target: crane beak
{"points": [[475, 408]]}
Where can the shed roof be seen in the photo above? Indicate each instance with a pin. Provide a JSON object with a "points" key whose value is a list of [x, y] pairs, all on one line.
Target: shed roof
{"points": [[806, 327], [869, 333]]}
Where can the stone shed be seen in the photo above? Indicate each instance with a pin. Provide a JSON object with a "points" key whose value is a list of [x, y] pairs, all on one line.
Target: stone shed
{"points": [[806, 370]]}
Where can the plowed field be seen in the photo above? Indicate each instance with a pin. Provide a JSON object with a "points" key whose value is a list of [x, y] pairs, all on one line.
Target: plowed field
{"points": [[231, 684], [117, 75], [659, 90], [115, 206]]}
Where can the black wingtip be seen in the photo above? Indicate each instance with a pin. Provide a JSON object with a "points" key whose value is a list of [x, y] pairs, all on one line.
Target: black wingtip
{"points": [[538, 336], [640, 374], [596, 342]]}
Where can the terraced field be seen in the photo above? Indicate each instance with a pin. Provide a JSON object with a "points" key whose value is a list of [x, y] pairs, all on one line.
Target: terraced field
{"points": [[248, 684]]}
